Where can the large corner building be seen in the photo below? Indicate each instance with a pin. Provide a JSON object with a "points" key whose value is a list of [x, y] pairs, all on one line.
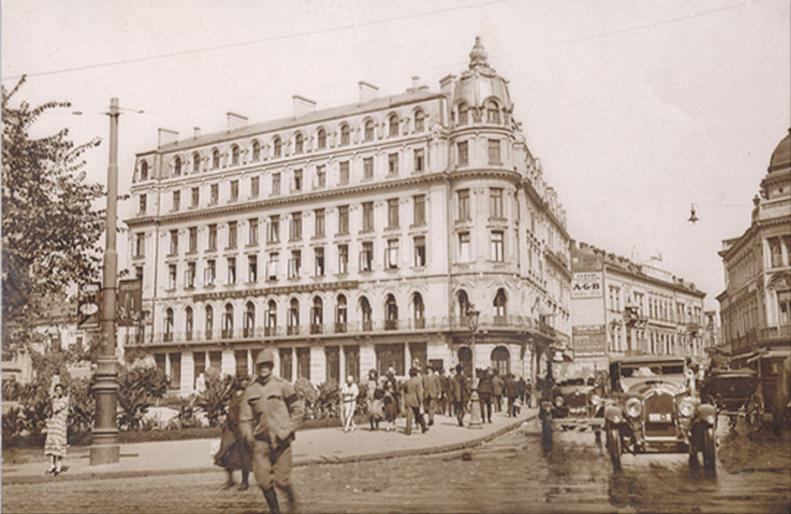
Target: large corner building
{"points": [[352, 238]]}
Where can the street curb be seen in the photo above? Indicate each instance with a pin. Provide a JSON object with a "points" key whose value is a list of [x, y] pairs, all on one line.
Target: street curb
{"points": [[107, 474]]}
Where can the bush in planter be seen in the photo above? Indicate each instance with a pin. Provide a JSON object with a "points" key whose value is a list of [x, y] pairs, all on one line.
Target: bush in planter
{"points": [[187, 416], [214, 400], [328, 401], [139, 387], [309, 395]]}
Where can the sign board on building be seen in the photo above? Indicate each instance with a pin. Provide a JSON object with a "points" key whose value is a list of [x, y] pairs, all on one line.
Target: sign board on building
{"points": [[130, 302], [589, 340], [587, 285], [88, 300]]}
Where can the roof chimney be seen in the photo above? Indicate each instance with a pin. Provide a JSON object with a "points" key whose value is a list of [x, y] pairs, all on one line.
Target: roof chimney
{"points": [[367, 91], [446, 85], [195, 132], [235, 121], [302, 105], [166, 137]]}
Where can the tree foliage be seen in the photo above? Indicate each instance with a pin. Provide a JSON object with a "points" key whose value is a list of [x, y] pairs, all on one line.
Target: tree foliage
{"points": [[214, 400], [139, 387], [51, 232]]}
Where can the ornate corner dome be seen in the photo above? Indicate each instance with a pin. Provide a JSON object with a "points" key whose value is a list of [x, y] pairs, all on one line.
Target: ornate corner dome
{"points": [[782, 154], [480, 83]]}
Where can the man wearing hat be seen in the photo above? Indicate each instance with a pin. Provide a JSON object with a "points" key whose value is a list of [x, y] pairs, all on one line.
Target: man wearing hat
{"points": [[269, 415]]}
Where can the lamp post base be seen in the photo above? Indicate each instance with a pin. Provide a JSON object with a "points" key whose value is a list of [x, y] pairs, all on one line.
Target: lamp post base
{"points": [[104, 454], [475, 411]]}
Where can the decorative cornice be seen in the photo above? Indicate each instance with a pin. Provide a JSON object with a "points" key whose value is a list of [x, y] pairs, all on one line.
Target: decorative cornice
{"points": [[264, 291]]}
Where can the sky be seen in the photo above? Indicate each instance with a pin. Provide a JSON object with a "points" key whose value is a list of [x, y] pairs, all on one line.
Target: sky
{"points": [[637, 108]]}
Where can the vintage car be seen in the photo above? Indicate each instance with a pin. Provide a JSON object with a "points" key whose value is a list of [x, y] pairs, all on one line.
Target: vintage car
{"points": [[577, 402], [654, 410]]}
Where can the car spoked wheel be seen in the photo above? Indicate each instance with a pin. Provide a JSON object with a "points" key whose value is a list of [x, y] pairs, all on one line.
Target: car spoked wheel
{"points": [[614, 447], [709, 449]]}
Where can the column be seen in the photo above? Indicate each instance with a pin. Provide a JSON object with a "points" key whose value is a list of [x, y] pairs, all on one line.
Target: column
{"points": [[342, 364], [187, 370], [227, 363], [250, 363]]}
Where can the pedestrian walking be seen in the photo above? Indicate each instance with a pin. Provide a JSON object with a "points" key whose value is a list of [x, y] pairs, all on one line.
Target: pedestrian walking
{"points": [[269, 415], [511, 393], [529, 393], [497, 391], [234, 453], [485, 392], [349, 394], [520, 389], [460, 393], [57, 429], [446, 405], [432, 387], [390, 406], [413, 401]]}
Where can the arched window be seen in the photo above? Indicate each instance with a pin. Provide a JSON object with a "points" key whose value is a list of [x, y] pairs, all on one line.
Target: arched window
{"points": [[249, 319], [464, 114], [501, 360], [391, 313], [500, 307], [209, 322], [188, 323], [345, 135], [365, 313], [293, 317], [418, 311], [168, 324], [299, 143], [215, 159], [420, 120], [271, 318], [341, 315], [227, 322], [195, 162], [492, 112], [177, 166], [369, 130], [392, 125], [464, 306], [277, 147], [256, 150], [321, 139], [144, 170], [235, 155], [316, 315]]}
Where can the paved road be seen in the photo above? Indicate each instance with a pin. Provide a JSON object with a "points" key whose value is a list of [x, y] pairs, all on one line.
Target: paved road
{"points": [[511, 474]]}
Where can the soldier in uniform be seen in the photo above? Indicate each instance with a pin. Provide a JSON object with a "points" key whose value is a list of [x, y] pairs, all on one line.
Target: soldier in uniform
{"points": [[270, 413]]}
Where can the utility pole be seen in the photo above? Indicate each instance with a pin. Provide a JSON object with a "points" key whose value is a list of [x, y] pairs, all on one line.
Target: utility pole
{"points": [[104, 442]]}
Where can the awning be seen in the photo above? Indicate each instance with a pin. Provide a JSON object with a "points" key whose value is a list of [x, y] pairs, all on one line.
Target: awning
{"points": [[770, 354]]}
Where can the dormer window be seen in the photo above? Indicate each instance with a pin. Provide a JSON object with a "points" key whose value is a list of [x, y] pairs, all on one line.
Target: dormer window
{"points": [[492, 112], [392, 122], [321, 139], [464, 114], [299, 143], [345, 135], [420, 121], [144, 170], [177, 166], [235, 155], [215, 159]]}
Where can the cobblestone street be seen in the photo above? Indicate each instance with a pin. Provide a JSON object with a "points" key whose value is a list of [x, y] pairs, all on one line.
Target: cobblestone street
{"points": [[511, 474]]}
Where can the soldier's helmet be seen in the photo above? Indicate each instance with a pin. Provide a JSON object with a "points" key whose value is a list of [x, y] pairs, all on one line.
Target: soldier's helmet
{"points": [[265, 356]]}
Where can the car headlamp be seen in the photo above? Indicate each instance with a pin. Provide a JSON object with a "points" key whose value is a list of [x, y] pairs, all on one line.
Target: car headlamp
{"points": [[686, 407], [558, 401], [633, 407], [595, 399]]}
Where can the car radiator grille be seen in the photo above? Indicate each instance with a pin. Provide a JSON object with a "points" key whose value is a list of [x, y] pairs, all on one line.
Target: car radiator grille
{"points": [[660, 405]]}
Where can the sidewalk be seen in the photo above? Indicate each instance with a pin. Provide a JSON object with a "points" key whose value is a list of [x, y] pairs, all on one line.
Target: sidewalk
{"points": [[325, 445]]}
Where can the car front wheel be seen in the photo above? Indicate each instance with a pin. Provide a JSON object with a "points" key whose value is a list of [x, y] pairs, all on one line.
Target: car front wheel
{"points": [[709, 449], [614, 447]]}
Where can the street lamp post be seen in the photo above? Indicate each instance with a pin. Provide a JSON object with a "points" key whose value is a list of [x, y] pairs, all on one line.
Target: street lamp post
{"points": [[104, 441], [475, 408]]}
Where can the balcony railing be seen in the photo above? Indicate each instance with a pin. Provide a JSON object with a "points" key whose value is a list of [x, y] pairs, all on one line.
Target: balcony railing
{"points": [[316, 328], [780, 333]]}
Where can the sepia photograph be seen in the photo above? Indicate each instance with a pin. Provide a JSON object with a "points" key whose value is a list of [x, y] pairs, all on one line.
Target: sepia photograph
{"points": [[362, 256]]}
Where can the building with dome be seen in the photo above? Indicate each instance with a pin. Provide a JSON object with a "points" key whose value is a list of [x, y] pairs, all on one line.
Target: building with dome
{"points": [[756, 305], [352, 238]]}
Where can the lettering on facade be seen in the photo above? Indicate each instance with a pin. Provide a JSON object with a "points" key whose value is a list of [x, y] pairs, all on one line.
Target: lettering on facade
{"points": [[262, 291], [589, 340], [587, 285]]}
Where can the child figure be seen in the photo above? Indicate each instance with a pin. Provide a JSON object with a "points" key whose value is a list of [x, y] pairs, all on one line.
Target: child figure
{"points": [[390, 407]]}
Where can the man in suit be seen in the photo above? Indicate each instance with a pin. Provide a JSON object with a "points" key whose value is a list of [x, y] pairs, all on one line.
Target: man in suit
{"points": [[460, 388], [413, 401], [432, 386]]}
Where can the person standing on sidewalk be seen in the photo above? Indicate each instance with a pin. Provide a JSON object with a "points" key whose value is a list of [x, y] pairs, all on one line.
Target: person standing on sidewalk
{"points": [[390, 406], [511, 392], [460, 393], [485, 391], [433, 389], [57, 429], [413, 401], [234, 452], [349, 394], [497, 391], [270, 413]]}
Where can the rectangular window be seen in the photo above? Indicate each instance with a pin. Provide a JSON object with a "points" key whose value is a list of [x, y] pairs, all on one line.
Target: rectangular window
{"points": [[464, 246], [392, 213], [194, 196], [464, 158], [193, 239], [391, 255], [332, 358], [343, 173], [494, 151], [210, 273], [189, 276], [234, 190], [321, 176], [273, 236], [172, 277], [275, 183], [286, 362], [368, 168], [295, 229], [176, 200], [231, 270], [303, 363], [343, 220], [319, 223], [496, 203], [368, 217], [272, 267], [392, 165], [143, 203], [343, 259], [419, 155], [297, 184], [232, 239], [463, 197], [318, 258], [420, 251], [294, 264], [252, 268], [367, 256], [140, 244], [174, 242], [419, 210], [214, 195], [252, 231], [775, 252], [255, 187], [212, 237]]}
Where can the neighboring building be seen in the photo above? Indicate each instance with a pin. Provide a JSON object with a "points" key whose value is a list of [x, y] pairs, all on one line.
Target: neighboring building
{"points": [[620, 307], [756, 305], [352, 238]]}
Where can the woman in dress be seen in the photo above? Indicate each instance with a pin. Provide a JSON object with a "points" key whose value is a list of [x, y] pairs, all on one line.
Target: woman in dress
{"points": [[55, 443], [234, 453]]}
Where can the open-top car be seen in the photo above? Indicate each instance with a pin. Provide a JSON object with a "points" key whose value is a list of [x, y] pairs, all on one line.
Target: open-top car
{"points": [[577, 403], [655, 411]]}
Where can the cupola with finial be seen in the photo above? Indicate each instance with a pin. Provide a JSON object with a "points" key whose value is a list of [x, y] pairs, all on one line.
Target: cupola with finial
{"points": [[480, 94]]}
